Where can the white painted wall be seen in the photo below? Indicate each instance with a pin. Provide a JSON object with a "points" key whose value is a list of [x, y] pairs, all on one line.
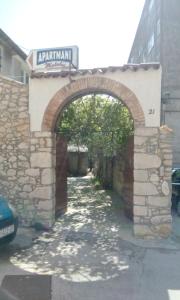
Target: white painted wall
{"points": [[146, 85]]}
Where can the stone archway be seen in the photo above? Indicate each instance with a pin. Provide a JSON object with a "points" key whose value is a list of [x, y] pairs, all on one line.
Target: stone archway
{"points": [[89, 85], [64, 97], [152, 178]]}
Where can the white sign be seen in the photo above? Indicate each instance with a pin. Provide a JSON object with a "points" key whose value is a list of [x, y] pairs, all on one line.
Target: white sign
{"points": [[54, 59]]}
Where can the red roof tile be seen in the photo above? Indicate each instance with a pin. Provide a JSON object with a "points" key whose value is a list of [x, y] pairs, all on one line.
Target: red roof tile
{"points": [[132, 67]]}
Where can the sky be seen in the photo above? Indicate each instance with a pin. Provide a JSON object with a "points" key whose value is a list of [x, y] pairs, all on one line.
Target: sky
{"points": [[103, 30]]}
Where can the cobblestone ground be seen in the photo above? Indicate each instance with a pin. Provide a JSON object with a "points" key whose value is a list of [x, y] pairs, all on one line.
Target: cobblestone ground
{"points": [[84, 244]]}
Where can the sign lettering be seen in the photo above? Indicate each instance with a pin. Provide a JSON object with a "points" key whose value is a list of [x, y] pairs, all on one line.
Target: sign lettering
{"points": [[54, 59], [61, 55]]}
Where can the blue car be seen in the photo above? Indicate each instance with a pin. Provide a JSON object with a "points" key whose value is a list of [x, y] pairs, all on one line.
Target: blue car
{"points": [[8, 222]]}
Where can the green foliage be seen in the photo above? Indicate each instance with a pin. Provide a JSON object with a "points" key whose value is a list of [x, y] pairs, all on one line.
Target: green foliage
{"points": [[96, 182], [100, 122]]}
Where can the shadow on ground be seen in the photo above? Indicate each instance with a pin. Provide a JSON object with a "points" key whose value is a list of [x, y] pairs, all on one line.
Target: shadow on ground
{"points": [[84, 244]]}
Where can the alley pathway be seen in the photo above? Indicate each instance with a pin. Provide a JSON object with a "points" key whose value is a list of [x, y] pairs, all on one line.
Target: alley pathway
{"points": [[84, 244], [91, 253]]}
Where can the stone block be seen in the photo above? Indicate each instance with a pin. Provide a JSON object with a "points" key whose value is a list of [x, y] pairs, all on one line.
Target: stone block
{"points": [[168, 169], [140, 211], [22, 157], [157, 220], [32, 180], [33, 148], [47, 176], [140, 175], [22, 164], [158, 202], [23, 195], [42, 193], [161, 171], [146, 161], [40, 134], [27, 188], [154, 178], [139, 140], [167, 162], [45, 205], [12, 159], [42, 142], [34, 141], [145, 189], [11, 172], [32, 172], [142, 231], [15, 90], [137, 220], [49, 142], [168, 151], [139, 200], [165, 188], [22, 115], [42, 149], [41, 160], [165, 146], [168, 156], [162, 230], [23, 145], [1, 159], [147, 131], [165, 211]]}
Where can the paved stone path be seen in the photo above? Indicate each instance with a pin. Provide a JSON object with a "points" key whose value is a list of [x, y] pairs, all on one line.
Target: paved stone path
{"points": [[85, 243], [92, 254]]}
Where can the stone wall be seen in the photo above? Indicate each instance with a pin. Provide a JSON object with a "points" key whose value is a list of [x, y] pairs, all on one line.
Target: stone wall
{"points": [[41, 188], [14, 144], [26, 161], [152, 182]]}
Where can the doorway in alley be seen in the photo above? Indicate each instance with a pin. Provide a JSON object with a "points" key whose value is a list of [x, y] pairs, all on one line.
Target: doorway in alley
{"points": [[94, 139]]}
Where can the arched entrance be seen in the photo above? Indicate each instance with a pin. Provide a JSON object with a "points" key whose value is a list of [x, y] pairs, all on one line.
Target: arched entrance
{"points": [[28, 159], [64, 97], [151, 191]]}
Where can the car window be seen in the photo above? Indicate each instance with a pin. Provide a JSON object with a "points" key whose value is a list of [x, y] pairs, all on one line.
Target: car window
{"points": [[176, 176]]}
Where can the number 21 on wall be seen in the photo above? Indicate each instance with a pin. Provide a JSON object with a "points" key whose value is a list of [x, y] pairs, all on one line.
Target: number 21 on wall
{"points": [[151, 111]]}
